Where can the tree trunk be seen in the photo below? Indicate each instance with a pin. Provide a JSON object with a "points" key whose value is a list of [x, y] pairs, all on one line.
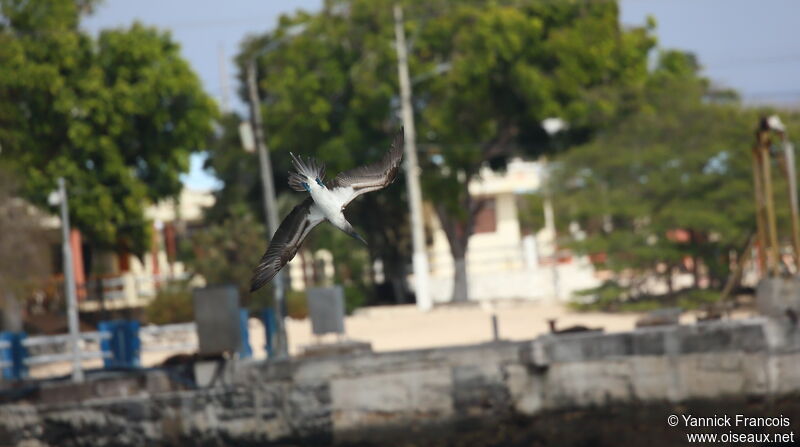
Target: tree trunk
{"points": [[693, 240], [460, 284], [398, 280], [670, 283], [458, 237], [696, 271]]}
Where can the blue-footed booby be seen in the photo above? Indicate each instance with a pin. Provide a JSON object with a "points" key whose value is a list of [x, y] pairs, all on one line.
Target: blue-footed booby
{"points": [[325, 202]]}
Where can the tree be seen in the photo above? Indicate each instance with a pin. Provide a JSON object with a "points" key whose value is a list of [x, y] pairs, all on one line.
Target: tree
{"points": [[224, 252], [24, 252], [671, 182], [510, 68], [329, 86], [117, 117]]}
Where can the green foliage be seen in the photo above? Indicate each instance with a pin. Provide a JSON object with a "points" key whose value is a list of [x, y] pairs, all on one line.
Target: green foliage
{"points": [[531, 212], [172, 304], [608, 296], [697, 298], [354, 297], [297, 304], [226, 253], [117, 116]]}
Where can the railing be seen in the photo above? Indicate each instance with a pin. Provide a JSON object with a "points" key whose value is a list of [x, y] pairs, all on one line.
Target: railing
{"points": [[43, 342], [118, 343], [116, 288], [112, 288]]}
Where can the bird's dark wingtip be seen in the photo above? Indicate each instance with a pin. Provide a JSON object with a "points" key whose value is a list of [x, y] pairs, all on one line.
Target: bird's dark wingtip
{"points": [[257, 282]]}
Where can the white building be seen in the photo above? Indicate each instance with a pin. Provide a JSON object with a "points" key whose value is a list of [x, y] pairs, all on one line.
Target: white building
{"points": [[501, 262]]}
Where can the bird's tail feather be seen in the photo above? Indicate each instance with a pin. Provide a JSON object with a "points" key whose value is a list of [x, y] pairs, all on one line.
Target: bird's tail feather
{"points": [[307, 171]]}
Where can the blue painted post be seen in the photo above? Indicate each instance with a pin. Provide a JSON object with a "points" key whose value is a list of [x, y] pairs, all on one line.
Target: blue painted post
{"points": [[122, 349], [107, 327], [245, 351], [14, 355], [133, 344], [270, 328]]}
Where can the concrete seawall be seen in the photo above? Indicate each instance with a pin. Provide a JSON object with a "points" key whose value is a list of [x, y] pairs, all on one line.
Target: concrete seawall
{"points": [[349, 398]]}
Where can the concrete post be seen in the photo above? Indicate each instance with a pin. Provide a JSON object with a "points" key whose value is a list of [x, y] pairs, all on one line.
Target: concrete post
{"points": [[69, 283], [420, 258]]}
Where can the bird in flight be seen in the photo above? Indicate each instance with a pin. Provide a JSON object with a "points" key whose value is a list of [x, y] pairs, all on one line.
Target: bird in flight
{"points": [[325, 202]]}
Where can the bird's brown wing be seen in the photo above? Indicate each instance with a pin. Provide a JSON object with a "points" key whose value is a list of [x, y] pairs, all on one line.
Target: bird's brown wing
{"points": [[371, 177], [286, 241]]}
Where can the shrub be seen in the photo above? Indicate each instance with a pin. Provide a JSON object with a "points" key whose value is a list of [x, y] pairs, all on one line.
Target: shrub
{"points": [[296, 304], [172, 304]]}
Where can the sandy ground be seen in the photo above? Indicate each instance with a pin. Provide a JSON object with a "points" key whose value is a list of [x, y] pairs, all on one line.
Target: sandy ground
{"points": [[392, 328]]}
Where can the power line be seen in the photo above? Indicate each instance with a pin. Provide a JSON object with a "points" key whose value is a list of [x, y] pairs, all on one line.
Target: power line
{"points": [[737, 63]]}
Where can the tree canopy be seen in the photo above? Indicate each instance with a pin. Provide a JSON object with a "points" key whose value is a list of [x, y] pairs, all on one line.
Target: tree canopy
{"points": [[116, 116], [671, 182], [511, 67]]}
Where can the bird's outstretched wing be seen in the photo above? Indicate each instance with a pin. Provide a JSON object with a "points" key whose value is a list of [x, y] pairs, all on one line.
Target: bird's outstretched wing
{"points": [[286, 241], [354, 182]]}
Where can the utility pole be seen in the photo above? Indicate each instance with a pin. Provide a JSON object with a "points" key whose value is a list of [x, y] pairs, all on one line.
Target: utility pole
{"points": [[420, 258], [223, 82], [69, 282], [270, 205]]}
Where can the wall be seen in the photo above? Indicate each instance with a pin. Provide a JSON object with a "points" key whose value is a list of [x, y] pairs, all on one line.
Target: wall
{"points": [[368, 396]]}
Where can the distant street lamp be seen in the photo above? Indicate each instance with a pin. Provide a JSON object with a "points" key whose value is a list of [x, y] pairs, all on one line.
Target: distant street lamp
{"points": [[554, 125], [246, 135], [60, 198]]}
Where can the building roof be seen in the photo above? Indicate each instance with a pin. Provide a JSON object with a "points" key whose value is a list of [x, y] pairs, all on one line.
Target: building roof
{"points": [[519, 177]]}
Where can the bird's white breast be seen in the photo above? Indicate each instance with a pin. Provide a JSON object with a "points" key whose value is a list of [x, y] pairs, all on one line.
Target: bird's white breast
{"points": [[331, 202]]}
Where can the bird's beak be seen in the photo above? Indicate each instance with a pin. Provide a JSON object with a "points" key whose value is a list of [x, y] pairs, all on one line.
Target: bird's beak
{"points": [[358, 237]]}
